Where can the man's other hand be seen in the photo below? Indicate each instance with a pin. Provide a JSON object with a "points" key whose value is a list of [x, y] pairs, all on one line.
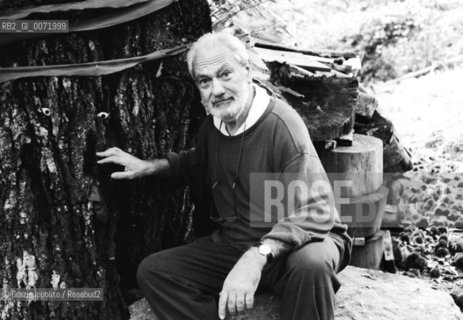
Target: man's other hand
{"points": [[241, 284], [133, 167]]}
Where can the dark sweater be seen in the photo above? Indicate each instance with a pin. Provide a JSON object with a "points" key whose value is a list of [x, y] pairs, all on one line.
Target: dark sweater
{"points": [[278, 147]]}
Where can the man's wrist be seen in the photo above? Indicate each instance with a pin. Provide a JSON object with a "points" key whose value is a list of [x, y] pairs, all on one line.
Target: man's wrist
{"points": [[277, 247], [254, 255], [156, 167]]}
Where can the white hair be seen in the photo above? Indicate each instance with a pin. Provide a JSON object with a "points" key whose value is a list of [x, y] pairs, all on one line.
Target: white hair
{"points": [[212, 40]]}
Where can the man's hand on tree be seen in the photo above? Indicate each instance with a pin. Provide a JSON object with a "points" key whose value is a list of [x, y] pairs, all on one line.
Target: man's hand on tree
{"points": [[241, 283], [133, 167]]}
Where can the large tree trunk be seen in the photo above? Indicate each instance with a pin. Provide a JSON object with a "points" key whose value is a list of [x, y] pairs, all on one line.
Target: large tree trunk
{"points": [[57, 206]]}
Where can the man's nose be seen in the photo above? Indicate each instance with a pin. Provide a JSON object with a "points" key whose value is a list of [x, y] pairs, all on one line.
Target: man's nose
{"points": [[217, 87]]}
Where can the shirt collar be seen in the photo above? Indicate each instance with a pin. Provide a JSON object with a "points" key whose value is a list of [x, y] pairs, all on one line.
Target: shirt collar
{"points": [[258, 107]]}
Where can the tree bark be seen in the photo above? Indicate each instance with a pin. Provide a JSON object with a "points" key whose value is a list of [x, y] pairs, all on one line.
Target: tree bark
{"points": [[63, 221]]}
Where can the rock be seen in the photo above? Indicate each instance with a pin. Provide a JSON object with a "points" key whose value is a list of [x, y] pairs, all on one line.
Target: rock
{"points": [[364, 295], [434, 231], [413, 273], [457, 296], [446, 199], [429, 204], [441, 212], [437, 223], [454, 216], [442, 230], [435, 272], [457, 246], [459, 223], [442, 252], [422, 223], [414, 190], [419, 240], [460, 185], [443, 241], [459, 260], [405, 237]]}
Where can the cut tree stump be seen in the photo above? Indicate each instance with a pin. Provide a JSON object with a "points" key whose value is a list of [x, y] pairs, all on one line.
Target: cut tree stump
{"points": [[364, 295], [363, 214], [361, 163], [370, 254]]}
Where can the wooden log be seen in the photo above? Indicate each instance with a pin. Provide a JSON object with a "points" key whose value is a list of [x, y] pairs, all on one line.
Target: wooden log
{"points": [[370, 255], [363, 214], [366, 106], [293, 58], [327, 106], [396, 157], [319, 53], [361, 164]]}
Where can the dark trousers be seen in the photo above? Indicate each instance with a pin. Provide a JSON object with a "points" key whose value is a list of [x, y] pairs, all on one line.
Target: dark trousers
{"points": [[184, 282]]}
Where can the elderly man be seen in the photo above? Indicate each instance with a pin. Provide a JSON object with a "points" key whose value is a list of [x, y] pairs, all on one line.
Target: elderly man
{"points": [[247, 131]]}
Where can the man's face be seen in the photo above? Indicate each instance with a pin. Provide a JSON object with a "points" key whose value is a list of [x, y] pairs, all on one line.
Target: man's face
{"points": [[224, 83]]}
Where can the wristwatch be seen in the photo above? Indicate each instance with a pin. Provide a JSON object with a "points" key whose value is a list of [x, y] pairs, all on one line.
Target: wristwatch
{"points": [[265, 250]]}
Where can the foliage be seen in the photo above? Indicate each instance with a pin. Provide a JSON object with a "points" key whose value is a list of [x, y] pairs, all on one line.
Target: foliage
{"points": [[394, 37]]}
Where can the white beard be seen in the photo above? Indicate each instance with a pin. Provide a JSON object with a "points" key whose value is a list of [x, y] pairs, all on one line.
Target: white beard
{"points": [[232, 111]]}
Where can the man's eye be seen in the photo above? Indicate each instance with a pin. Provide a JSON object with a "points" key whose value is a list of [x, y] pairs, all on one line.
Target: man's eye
{"points": [[203, 82], [226, 74]]}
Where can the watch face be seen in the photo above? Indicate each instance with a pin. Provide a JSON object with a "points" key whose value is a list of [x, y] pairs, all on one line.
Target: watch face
{"points": [[264, 249]]}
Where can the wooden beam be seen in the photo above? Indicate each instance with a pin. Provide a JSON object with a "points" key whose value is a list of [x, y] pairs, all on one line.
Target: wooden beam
{"points": [[293, 58], [320, 53]]}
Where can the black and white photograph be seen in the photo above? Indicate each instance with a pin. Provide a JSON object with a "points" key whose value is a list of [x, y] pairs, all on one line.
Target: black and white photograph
{"points": [[225, 159]]}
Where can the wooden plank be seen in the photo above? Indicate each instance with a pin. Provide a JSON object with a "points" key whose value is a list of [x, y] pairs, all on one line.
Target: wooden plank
{"points": [[294, 58], [320, 53]]}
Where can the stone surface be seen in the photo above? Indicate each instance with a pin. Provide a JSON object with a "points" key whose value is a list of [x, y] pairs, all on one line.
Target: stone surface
{"points": [[364, 295]]}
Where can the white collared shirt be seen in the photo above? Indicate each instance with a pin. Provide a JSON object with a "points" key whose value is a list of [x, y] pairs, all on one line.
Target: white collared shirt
{"points": [[258, 107]]}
